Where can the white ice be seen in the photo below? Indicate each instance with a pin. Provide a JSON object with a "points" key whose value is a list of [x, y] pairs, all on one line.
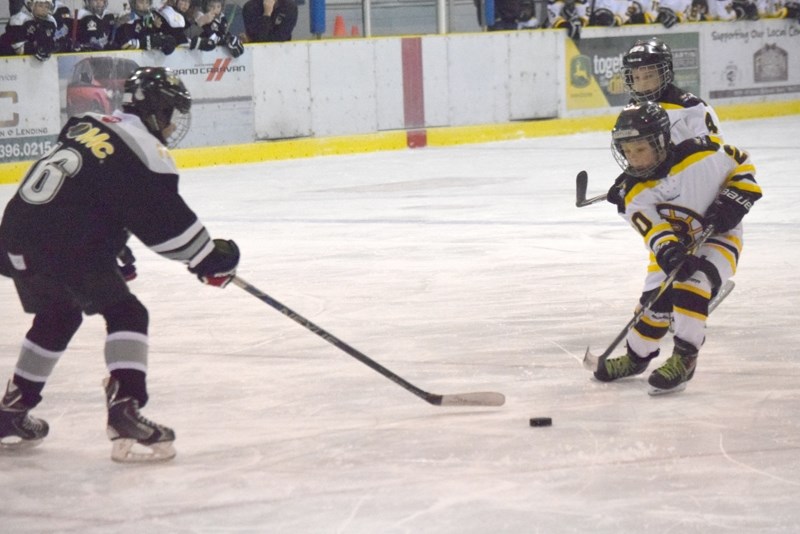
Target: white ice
{"points": [[460, 269]]}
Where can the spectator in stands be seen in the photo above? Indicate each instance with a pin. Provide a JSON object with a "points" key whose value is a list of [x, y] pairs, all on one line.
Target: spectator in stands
{"points": [[609, 13], [527, 16], [64, 22], [31, 31], [269, 20], [506, 15], [568, 14], [698, 12], [789, 10], [188, 11], [214, 30], [146, 29], [635, 13], [670, 12], [743, 10], [95, 26]]}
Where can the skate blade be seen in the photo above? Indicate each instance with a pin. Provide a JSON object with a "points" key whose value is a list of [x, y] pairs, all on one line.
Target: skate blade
{"points": [[129, 451], [655, 392], [19, 444]]}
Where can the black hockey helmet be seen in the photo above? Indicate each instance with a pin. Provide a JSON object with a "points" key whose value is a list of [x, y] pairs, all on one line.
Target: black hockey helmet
{"points": [[641, 122], [158, 97], [652, 54]]}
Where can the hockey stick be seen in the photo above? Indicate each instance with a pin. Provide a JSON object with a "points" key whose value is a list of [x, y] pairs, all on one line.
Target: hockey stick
{"points": [[482, 398], [723, 292], [581, 184], [590, 361]]}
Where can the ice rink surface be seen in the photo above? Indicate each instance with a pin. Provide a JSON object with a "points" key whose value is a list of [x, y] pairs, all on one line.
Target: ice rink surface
{"points": [[460, 269]]}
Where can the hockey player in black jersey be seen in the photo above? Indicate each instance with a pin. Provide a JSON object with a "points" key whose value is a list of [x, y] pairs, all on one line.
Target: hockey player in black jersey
{"points": [[214, 30], [145, 28], [95, 26], [32, 31], [670, 194], [61, 233]]}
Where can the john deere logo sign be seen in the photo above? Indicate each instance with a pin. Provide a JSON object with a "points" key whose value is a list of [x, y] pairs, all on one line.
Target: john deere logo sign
{"points": [[580, 72]]}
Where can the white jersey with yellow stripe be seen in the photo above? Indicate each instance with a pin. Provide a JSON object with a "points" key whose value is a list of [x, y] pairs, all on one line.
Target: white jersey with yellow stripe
{"points": [[672, 207], [689, 115]]}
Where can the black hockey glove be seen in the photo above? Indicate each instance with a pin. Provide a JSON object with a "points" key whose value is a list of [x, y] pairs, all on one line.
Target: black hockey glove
{"points": [[792, 10], [728, 209], [574, 28], [672, 255], [125, 262], [42, 53], [219, 267], [44, 43], [202, 43], [667, 17], [745, 10], [616, 193], [234, 45], [159, 41]]}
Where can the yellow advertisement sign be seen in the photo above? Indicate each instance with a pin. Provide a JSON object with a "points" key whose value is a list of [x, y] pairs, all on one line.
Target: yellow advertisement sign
{"points": [[583, 91]]}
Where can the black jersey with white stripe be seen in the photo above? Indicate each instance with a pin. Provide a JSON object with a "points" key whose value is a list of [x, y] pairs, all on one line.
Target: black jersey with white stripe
{"points": [[106, 176]]}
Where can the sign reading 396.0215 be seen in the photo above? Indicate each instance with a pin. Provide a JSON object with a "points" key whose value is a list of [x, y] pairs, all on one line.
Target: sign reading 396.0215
{"points": [[15, 149]]}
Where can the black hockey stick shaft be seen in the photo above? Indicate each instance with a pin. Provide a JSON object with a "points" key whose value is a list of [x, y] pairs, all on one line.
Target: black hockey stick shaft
{"points": [[590, 361], [484, 398], [581, 185]]}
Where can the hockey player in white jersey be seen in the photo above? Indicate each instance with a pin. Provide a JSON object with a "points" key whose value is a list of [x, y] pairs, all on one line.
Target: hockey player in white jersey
{"points": [[670, 194], [107, 177], [649, 74]]}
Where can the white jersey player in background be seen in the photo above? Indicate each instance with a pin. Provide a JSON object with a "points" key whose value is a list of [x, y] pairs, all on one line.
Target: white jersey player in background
{"points": [[649, 75]]}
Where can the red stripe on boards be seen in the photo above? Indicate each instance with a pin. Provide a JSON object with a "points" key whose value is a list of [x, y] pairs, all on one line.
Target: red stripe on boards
{"points": [[413, 94]]}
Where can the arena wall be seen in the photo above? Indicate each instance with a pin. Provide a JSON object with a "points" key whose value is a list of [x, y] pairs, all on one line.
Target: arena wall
{"points": [[335, 96]]}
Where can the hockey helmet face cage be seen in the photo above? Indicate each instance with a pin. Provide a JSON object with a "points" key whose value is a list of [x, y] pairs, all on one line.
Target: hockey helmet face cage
{"points": [[647, 68], [96, 7], [640, 139], [159, 98]]}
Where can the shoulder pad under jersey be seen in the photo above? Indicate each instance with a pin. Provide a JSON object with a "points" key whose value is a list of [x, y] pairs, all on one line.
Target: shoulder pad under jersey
{"points": [[694, 146], [677, 96], [144, 145]]}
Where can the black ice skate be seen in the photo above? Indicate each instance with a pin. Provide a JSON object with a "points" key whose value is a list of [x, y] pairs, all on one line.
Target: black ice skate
{"points": [[18, 430], [609, 369], [676, 371], [127, 429]]}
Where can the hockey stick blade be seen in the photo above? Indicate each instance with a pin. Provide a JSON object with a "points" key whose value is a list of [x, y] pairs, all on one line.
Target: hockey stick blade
{"points": [[723, 292], [459, 399], [590, 361], [482, 398], [581, 185]]}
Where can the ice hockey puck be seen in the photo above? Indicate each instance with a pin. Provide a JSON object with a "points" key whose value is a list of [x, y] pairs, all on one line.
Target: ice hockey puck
{"points": [[541, 421]]}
